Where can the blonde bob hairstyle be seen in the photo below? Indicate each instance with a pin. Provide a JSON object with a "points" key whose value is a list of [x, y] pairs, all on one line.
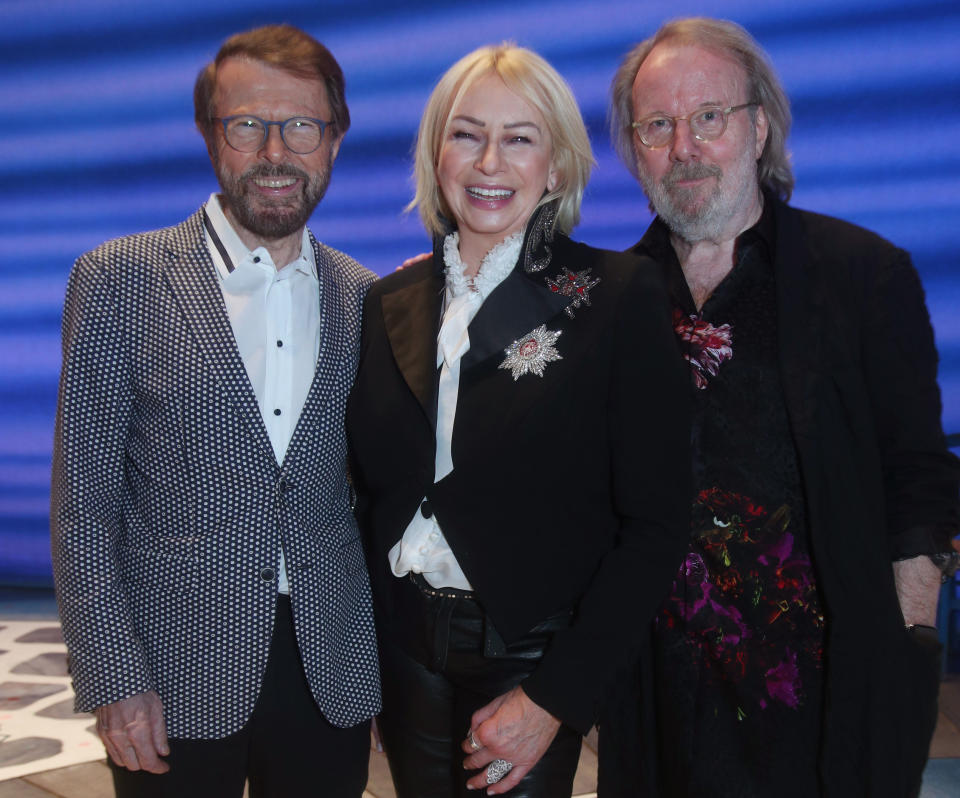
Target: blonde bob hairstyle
{"points": [[530, 77]]}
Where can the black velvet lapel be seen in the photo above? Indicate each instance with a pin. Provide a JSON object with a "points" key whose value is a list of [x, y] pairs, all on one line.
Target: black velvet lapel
{"points": [[411, 316]]}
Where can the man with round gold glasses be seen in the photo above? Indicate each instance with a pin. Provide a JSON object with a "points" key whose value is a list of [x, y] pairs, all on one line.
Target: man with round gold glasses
{"points": [[795, 654], [706, 124]]}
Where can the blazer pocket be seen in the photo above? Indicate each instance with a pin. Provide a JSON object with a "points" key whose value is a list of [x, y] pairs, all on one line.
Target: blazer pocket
{"points": [[169, 572]]}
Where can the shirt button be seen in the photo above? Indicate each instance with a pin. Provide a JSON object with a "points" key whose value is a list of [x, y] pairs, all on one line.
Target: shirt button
{"points": [[434, 535], [256, 259], [267, 574], [425, 509], [279, 343], [276, 411]]}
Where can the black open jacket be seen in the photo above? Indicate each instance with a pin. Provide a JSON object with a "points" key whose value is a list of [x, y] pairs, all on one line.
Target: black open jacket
{"points": [[858, 368]]}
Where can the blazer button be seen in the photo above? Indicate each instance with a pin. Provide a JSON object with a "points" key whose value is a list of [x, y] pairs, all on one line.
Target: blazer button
{"points": [[268, 574], [425, 509]]}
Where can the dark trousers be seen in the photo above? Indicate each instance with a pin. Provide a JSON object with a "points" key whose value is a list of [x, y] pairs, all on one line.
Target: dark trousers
{"points": [[287, 747], [459, 665]]}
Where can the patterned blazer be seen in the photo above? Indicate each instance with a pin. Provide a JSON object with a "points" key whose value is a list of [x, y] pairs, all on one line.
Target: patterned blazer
{"points": [[169, 508]]}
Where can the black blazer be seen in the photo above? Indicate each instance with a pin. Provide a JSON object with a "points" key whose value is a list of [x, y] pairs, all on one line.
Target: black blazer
{"points": [[569, 490], [859, 370], [858, 367]]}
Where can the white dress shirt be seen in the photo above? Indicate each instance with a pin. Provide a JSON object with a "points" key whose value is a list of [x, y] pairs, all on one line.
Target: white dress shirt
{"points": [[423, 549], [275, 316]]}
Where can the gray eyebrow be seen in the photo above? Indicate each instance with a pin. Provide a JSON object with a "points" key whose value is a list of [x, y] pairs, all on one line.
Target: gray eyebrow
{"points": [[708, 104]]}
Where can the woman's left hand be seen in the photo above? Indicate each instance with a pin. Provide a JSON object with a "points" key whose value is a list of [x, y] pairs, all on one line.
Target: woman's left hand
{"points": [[512, 728]]}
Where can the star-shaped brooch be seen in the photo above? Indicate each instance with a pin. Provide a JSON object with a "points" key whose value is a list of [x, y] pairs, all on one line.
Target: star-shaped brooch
{"points": [[573, 284], [532, 352]]}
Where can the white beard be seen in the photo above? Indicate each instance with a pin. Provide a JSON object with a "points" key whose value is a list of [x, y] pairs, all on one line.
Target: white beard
{"points": [[694, 217]]}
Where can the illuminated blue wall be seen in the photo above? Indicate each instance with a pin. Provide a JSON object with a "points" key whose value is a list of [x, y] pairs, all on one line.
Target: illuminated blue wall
{"points": [[97, 141]]}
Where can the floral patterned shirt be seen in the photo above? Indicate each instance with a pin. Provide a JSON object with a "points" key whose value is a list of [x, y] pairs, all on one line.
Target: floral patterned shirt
{"points": [[738, 642]]}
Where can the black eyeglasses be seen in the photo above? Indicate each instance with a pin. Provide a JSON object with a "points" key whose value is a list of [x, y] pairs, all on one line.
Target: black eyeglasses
{"points": [[246, 133], [706, 124]]}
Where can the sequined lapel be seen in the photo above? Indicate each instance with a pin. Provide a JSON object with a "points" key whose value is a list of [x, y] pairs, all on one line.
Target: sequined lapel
{"points": [[525, 299], [515, 307]]}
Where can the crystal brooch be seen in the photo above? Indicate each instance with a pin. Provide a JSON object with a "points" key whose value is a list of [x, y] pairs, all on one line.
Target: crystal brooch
{"points": [[530, 353]]}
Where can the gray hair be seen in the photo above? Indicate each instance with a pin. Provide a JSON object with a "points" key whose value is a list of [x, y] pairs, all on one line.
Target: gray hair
{"points": [[728, 40]]}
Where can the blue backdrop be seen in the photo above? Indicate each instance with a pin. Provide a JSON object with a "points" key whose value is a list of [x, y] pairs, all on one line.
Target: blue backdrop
{"points": [[98, 142]]}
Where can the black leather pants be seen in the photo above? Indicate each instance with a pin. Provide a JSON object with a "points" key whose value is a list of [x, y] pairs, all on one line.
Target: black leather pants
{"points": [[428, 699]]}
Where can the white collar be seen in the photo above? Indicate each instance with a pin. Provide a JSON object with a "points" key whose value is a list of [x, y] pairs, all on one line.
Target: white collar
{"points": [[242, 256], [494, 267]]}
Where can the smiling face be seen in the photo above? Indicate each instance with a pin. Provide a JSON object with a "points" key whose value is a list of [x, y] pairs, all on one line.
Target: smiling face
{"points": [[270, 193], [495, 164], [703, 190]]}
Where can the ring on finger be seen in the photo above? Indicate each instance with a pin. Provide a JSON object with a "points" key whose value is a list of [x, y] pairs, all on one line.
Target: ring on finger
{"points": [[497, 769], [473, 742]]}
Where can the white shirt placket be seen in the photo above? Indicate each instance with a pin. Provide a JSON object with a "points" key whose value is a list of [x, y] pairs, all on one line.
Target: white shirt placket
{"points": [[278, 363]]}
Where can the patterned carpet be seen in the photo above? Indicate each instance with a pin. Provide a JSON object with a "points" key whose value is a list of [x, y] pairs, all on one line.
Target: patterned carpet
{"points": [[39, 730], [38, 727]]}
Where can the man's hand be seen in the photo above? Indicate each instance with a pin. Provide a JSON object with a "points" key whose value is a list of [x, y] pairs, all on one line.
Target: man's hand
{"points": [[511, 727], [414, 259], [134, 733], [918, 588]]}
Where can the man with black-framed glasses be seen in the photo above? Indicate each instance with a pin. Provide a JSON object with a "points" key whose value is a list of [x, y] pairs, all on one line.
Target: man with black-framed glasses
{"points": [[209, 573], [795, 655]]}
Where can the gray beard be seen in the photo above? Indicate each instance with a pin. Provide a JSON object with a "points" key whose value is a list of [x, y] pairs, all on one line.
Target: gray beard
{"points": [[707, 219], [272, 221]]}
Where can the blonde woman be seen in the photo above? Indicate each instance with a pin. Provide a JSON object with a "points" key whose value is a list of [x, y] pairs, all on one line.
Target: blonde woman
{"points": [[520, 436]]}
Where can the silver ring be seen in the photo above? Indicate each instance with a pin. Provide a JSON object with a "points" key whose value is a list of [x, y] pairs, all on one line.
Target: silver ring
{"points": [[497, 769], [473, 742]]}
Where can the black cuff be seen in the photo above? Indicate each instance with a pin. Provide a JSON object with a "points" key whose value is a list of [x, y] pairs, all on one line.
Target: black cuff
{"points": [[917, 540], [927, 637]]}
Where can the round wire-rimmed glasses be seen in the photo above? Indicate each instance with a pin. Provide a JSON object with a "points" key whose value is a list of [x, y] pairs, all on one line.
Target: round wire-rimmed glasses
{"points": [[246, 133], [706, 124]]}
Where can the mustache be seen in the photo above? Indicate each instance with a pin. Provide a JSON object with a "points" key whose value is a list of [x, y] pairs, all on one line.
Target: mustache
{"points": [[275, 170], [689, 171]]}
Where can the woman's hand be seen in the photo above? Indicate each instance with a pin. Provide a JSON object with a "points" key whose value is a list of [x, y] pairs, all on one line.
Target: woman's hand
{"points": [[512, 728]]}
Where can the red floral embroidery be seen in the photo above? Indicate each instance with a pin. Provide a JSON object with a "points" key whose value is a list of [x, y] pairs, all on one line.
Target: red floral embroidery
{"points": [[705, 347], [742, 580]]}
